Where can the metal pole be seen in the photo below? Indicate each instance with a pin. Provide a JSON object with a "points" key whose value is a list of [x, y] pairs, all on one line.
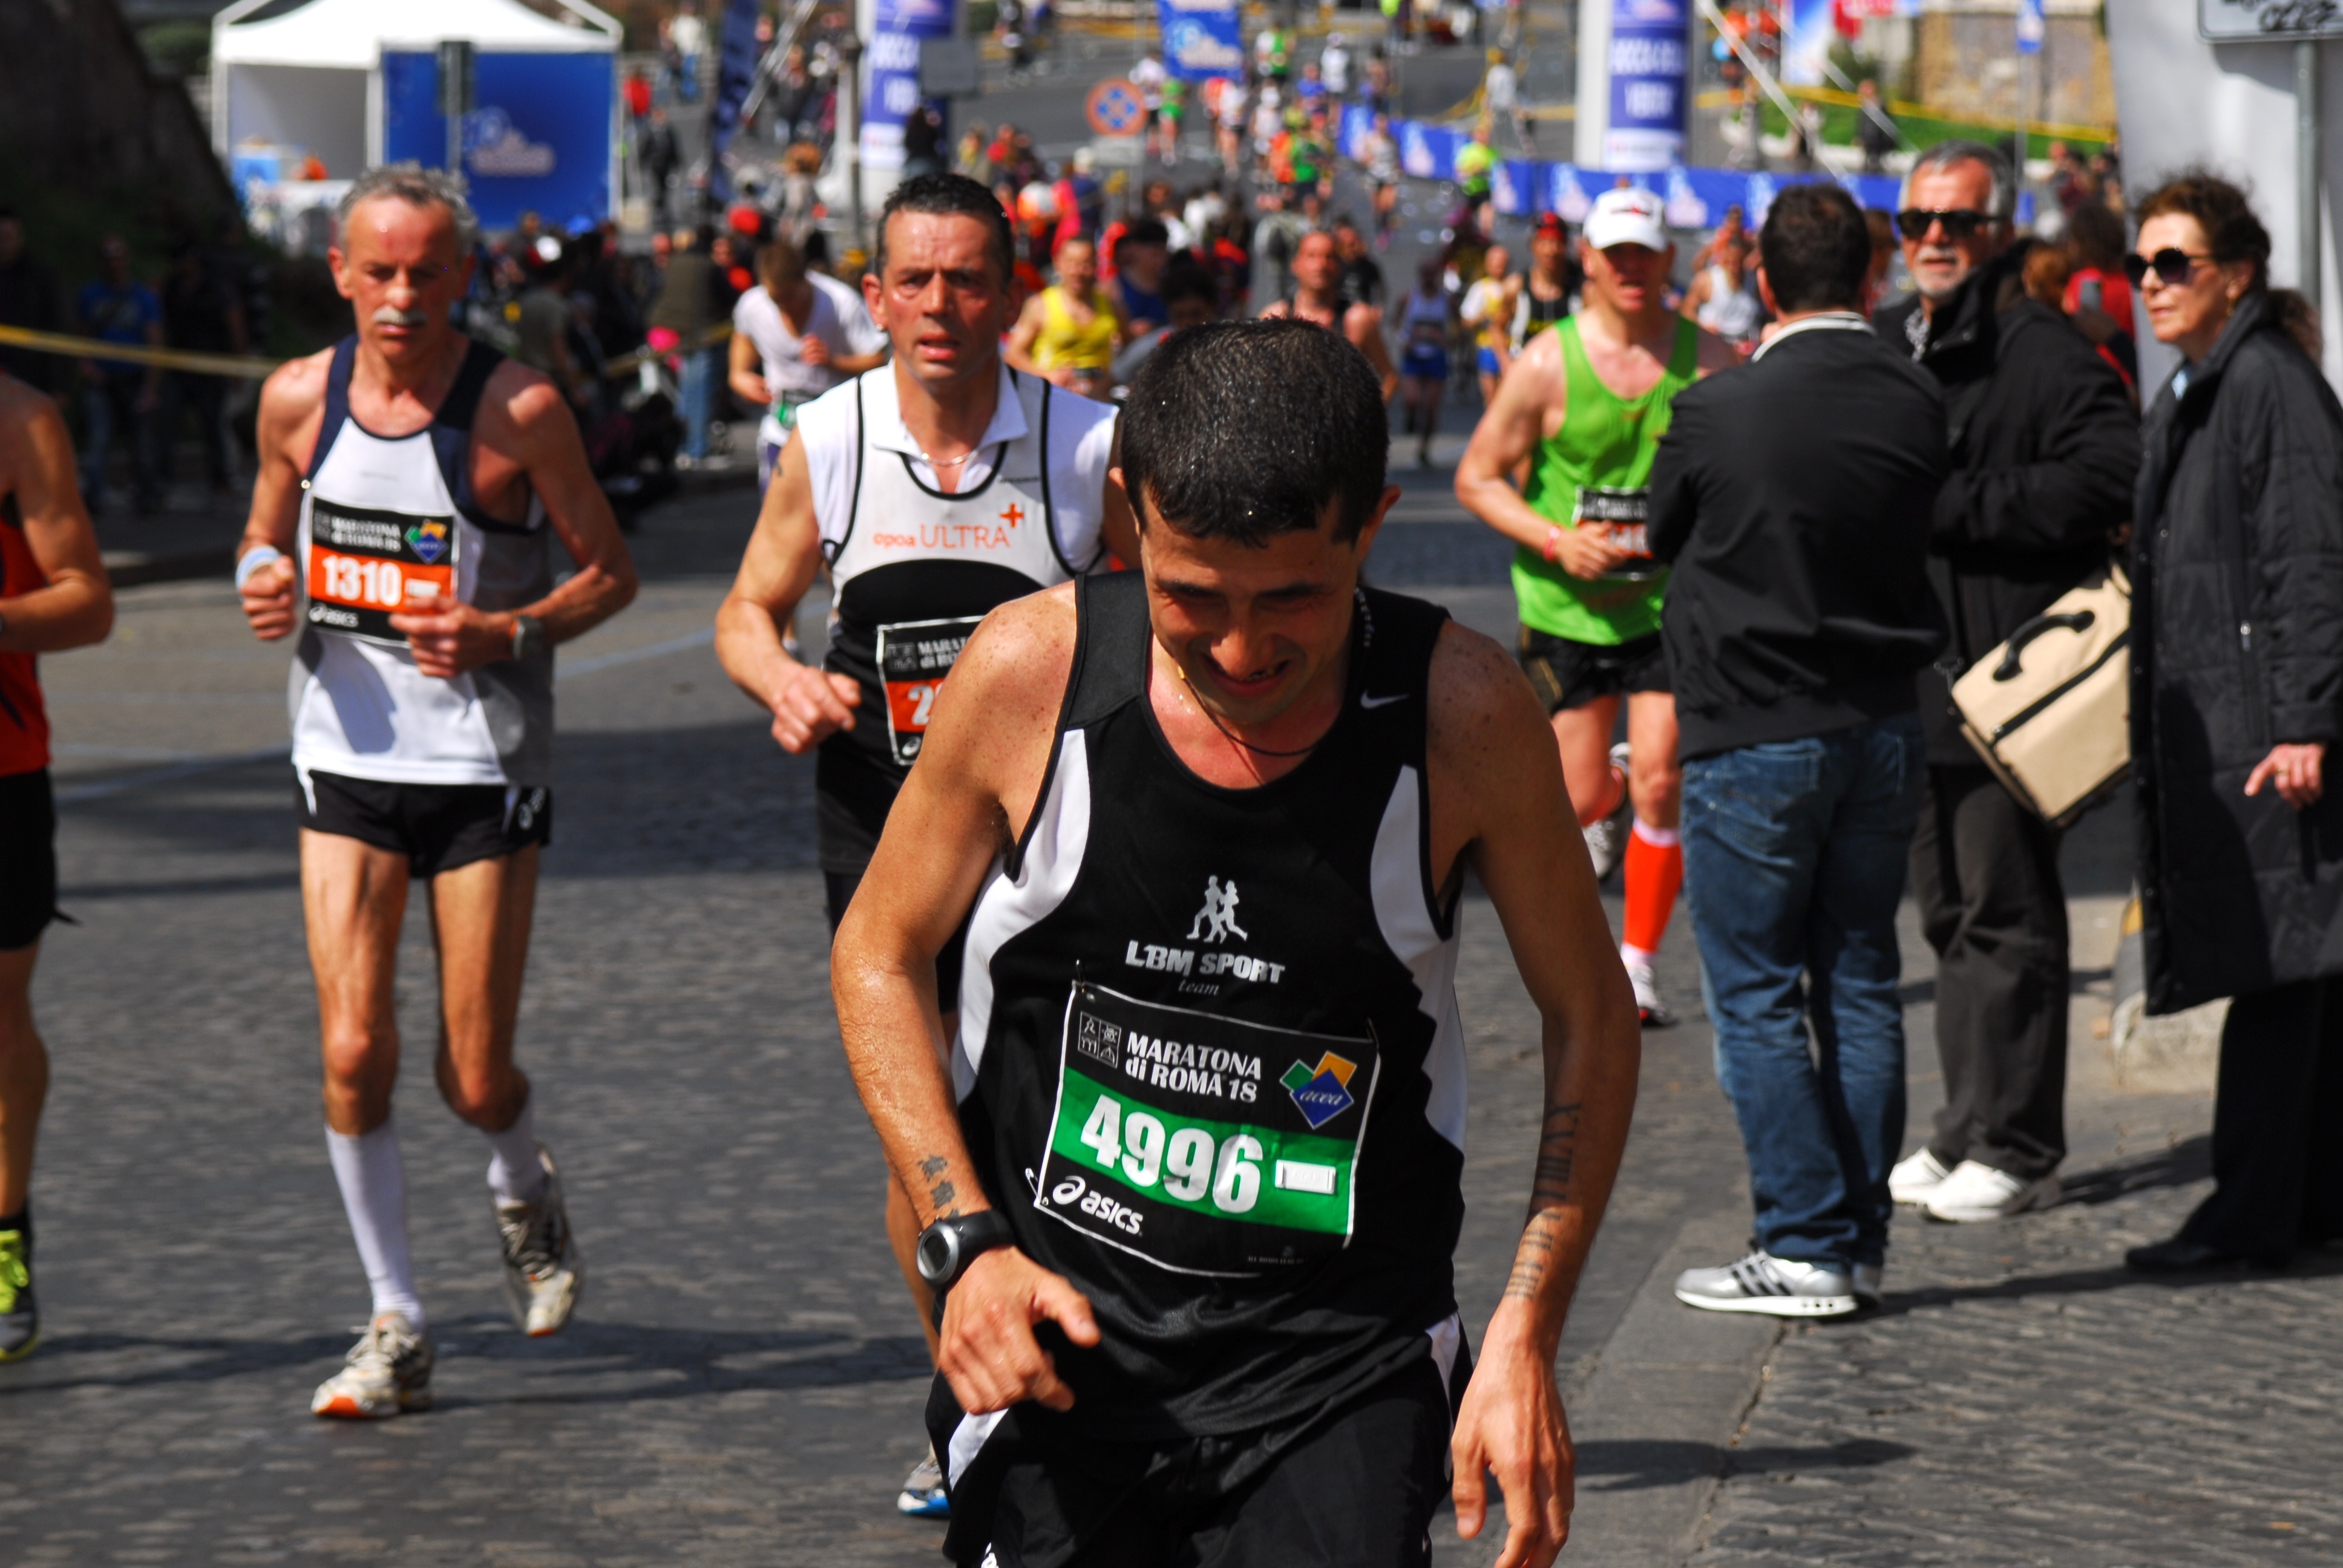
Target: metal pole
{"points": [[850, 63], [2306, 167]]}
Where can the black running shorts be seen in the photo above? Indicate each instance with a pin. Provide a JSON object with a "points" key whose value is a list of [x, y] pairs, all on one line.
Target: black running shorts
{"points": [[1569, 674], [1355, 1488], [28, 859], [437, 826], [837, 889]]}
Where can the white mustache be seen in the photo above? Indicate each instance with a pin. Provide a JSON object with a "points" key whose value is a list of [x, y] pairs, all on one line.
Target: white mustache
{"points": [[391, 315]]}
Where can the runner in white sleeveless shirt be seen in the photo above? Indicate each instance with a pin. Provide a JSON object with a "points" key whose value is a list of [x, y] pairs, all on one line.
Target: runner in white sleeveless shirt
{"points": [[933, 488], [418, 481]]}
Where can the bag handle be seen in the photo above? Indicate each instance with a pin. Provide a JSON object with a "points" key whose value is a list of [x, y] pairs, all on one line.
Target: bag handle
{"points": [[2074, 620]]}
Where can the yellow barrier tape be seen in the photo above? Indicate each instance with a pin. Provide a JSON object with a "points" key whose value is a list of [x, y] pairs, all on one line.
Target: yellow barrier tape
{"points": [[169, 358], [1725, 99]]}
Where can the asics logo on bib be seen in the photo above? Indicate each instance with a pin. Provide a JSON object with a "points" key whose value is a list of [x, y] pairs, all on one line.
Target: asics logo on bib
{"points": [[1070, 1192]]}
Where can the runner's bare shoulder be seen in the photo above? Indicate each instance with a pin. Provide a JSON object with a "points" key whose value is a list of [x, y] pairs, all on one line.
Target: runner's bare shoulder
{"points": [[519, 400], [1479, 711], [294, 395], [995, 717]]}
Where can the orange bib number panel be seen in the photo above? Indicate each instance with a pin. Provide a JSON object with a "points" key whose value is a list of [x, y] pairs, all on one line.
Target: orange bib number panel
{"points": [[366, 566], [914, 656]]}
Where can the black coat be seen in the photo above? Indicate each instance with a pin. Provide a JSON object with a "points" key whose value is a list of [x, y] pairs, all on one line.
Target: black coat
{"points": [[2045, 448], [1791, 497], [2238, 646]]}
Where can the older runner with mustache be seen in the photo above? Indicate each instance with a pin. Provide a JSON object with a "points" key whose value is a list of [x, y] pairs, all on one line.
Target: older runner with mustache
{"points": [[412, 483]]}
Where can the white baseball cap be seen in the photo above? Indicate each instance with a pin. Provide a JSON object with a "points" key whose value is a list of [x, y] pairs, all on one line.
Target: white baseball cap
{"points": [[1627, 216]]}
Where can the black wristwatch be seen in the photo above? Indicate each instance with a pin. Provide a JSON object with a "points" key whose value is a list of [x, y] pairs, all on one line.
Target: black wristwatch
{"points": [[949, 1246], [527, 637]]}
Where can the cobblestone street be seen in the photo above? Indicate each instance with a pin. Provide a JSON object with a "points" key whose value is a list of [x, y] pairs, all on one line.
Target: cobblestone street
{"points": [[743, 1383]]}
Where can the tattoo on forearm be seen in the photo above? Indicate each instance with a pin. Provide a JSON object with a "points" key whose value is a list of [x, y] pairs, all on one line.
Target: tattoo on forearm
{"points": [[943, 1196], [933, 1165], [1530, 1260], [1550, 1189]]}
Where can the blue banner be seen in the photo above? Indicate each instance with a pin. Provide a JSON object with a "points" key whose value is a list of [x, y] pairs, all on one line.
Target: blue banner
{"points": [[1650, 66], [1522, 187], [1201, 38], [893, 57], [538, 139], [735, 73]]}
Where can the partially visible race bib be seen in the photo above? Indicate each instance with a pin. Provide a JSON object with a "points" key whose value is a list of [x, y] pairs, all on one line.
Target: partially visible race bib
{"points": [[1204, 1144], [1626, 513], [914, 656], [365, 566]]}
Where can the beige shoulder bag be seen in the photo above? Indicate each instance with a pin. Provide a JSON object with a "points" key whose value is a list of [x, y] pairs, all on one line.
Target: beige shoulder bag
{"points": [[2051, 710]]}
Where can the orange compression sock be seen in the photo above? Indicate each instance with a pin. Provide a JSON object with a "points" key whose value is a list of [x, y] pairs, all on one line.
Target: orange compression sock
{"points": [[1654, 874]]}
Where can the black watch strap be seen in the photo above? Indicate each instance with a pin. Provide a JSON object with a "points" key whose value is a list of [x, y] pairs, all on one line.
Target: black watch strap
{"points": [[949, 1246]]}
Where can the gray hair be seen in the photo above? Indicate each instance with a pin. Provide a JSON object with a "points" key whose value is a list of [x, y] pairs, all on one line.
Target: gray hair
{"points": [[2001, 204], [417, 186]]}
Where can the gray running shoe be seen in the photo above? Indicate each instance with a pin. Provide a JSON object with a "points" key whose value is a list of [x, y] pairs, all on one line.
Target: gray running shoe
{"points": [[1776, 1287], [924, 1496], [389, 1371], [20, 1315], [544, 1271], [1606, 841], [1649, 1006]]}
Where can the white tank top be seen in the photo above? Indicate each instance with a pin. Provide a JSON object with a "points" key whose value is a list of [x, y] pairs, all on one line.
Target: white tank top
{"points": [[1729, 311], [391, 523], [912, 570]]}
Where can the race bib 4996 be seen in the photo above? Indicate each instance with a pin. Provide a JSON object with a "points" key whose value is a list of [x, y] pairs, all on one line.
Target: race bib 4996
{"points": [[1205, 1144]]}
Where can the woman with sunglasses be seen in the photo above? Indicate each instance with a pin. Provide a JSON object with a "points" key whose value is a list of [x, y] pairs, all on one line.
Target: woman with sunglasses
{"points": [[2236, 695]]}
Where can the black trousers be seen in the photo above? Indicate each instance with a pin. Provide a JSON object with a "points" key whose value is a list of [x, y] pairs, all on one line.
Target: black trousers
{"points": [[2278, 1125], [1986, 871]]}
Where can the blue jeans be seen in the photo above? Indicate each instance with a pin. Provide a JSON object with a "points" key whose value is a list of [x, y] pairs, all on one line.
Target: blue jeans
{"points": [[1793, 865], [697, 393]]}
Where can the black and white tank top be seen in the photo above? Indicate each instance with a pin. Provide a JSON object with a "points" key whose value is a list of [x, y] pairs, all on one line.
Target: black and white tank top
{"points": [[1209, 1063]]}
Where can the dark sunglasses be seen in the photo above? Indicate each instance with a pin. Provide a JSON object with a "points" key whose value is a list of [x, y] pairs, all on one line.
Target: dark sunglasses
{"points": [[1960, 222], [2173, 266]]}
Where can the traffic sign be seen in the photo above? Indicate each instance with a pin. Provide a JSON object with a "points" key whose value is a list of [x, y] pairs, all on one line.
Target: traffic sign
{"points": [[1115, 108]]}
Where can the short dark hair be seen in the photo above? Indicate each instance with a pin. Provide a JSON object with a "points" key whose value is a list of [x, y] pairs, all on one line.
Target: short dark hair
{"points": [[1245, 430], [1186, 279], [1816, 249], [2225, 211], [1144, 231], [943, 196]]}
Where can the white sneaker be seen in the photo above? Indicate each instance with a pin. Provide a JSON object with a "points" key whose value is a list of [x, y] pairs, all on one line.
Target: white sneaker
{"points": [[1974, 1193], [1606, 841], [386, 1371], [1776, 1287], [544, 1270], [1917, 1176], [923, 1495], [1655, 1012]]}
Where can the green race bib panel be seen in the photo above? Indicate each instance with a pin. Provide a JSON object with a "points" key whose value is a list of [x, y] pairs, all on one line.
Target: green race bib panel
{"points": [[1204, 1144]]}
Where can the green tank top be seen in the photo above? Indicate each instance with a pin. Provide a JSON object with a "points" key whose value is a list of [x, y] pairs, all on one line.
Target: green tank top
{"points": [[1596, 467]]}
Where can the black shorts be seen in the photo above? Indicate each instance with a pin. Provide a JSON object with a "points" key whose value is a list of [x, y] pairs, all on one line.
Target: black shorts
{"points": [[1569, 674], [437, 826], [1354, 1489], [838, 891], [28, 859]]}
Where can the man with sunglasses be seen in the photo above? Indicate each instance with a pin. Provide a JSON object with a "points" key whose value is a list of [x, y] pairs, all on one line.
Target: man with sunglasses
{"points": [[2045, 445]]}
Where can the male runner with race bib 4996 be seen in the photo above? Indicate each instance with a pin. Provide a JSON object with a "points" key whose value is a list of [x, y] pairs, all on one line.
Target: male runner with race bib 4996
{"points": [[1190, 1184], [933, 488], [412, 483], [1584, 405]]}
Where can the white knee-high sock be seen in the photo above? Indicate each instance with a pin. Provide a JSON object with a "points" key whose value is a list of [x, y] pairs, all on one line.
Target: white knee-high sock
{"points": [[374, 1192], [514, 1174]]}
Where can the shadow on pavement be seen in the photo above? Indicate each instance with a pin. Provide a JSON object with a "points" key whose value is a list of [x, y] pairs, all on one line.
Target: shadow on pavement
{"points": [[2087, 1281], [1634, 1464], [2191, 1160]]}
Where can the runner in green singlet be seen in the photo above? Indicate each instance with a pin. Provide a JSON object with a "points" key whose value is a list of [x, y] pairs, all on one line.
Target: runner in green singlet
{"points": [[1582, 409]]}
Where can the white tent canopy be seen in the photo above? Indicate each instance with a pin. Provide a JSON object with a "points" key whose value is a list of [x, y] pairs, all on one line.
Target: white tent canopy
{"points": [[352, 34]]}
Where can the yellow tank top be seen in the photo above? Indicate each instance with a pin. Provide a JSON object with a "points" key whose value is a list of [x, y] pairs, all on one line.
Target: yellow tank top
{"points": [[1065, 345]]}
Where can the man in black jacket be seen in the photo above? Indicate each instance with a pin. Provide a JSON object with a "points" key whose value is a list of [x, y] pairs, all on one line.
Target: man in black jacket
{"points": [[1792, 498], [2044, 447]]}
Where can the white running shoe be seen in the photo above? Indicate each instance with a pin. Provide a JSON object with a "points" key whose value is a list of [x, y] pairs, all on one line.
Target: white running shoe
{"points": [[923, 1495], [1974, 1193], [1655, 1012], [1776, 1287], [1606, 841], [1917, 1176], [386, 1371], [544, 1271]]}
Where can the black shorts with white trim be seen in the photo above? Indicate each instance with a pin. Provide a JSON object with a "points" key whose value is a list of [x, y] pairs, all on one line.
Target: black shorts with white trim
{"points": [[437, 826]]}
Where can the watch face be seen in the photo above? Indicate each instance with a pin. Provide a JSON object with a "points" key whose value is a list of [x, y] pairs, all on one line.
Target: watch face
{"points": [[935, 1256]]}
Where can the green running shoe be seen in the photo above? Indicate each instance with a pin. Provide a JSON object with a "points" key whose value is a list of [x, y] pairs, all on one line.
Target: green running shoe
{"points": [[20, 1315]]}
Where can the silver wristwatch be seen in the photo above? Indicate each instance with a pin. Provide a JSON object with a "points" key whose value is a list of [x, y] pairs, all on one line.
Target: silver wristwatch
{"points": [[527, 637]]}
